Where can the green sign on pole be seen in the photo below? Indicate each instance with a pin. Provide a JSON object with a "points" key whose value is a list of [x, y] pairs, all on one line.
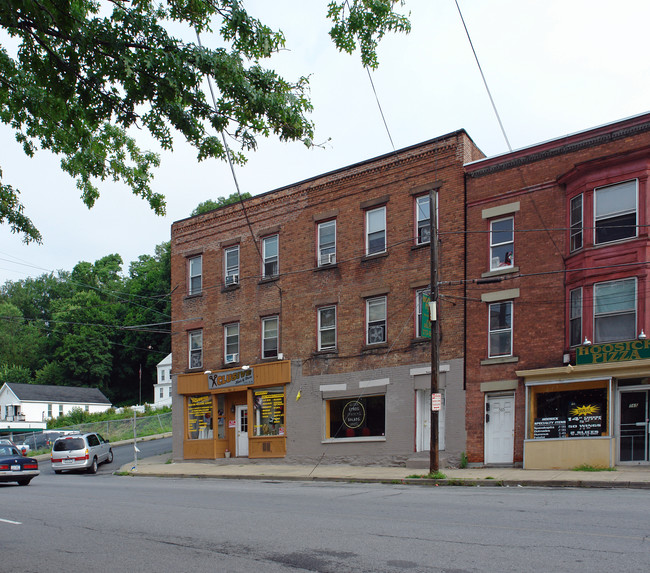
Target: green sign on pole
{"points": [[425, 325]]}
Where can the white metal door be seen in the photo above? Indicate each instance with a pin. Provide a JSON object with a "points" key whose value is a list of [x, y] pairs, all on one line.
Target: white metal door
{"points": [[241, 414], [423, 422], [499, 429]]}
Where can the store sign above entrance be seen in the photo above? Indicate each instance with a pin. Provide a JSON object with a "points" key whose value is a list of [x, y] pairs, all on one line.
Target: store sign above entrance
{"points": [[230, 379], [613, 352]]}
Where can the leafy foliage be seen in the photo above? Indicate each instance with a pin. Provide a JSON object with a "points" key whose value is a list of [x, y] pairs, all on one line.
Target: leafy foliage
{"points": [[362, 23], [210, 205], [89, 73], [15, 374], [85, 327]]}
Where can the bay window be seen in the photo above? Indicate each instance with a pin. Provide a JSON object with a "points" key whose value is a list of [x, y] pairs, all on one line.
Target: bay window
{"points": [[615, 212], [615, 310]]}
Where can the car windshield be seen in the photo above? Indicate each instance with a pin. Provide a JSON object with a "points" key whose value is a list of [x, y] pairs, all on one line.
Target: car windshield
{"points": [[69, 444], [8, 451]]}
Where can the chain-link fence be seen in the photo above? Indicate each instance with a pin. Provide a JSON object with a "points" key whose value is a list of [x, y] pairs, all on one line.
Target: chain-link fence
{"points": [[111, 430]]}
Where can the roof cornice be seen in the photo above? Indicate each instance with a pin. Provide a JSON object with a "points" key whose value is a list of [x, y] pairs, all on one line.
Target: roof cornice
{"points": [[562, 146]]}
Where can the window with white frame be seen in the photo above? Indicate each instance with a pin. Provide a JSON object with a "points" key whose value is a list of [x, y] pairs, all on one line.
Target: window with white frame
{"points": [[327, 243], [162, 375], [162, 393], [615, 212], [615, 310], [502, 242], [270, 256], [327, 328], [575, 242], [231, 264], [423, 219], [575, 317], [270, 337], [195, 344], [376, 231], [231, 342], [376, 320], [195, 270], [500, 329]]}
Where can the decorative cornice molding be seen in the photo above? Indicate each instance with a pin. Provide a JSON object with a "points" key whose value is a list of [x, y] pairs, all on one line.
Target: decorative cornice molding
{"points": [[561, 149]]}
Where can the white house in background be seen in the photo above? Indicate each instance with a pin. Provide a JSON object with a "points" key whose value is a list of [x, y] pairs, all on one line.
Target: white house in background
{"points": [[162, 390], [26, 407]]}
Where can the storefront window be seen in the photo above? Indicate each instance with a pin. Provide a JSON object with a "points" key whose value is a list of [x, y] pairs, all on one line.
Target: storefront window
{"points": [[199, 417], [268, 404], [569, 411], [356, 417]]}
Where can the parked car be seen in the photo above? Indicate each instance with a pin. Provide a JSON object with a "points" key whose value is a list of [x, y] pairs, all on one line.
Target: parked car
{"points": [[15, 467], [80, 451], [6, 442], [41, 440]]}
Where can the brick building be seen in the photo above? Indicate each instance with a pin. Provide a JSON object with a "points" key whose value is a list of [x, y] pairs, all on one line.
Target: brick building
{"points": [[296, 315], [557, 363]]}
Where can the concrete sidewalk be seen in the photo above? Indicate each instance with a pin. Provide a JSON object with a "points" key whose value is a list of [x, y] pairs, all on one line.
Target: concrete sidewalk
{"points": [[162, 466]]}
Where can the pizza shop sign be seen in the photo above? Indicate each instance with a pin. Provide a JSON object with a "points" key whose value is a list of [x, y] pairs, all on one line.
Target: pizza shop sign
{"points": [[613, 352]]}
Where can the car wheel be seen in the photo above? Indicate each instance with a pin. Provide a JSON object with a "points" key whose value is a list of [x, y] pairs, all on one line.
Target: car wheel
{"points": [[24, 481], [93, 468], [109, 459]]}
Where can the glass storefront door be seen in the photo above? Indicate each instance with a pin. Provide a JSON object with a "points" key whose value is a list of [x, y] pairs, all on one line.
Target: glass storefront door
{"points": [[634, 426]]}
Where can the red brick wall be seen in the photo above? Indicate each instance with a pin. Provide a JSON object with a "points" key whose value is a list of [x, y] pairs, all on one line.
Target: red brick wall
{"points": [[539, 324], [302, 287]]}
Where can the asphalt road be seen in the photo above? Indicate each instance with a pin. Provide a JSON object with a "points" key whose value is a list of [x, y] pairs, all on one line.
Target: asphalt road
{"points": [[103, 522]]}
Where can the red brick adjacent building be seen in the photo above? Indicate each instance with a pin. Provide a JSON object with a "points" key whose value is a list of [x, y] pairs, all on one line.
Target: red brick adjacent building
{"points": [[557, 363], [297, 315]]}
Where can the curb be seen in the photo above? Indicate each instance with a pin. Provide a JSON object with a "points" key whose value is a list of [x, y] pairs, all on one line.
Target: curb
{"points": [[449, 482]]}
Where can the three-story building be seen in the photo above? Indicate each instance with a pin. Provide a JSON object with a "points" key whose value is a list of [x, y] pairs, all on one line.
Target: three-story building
{"points": [[297, 315]]}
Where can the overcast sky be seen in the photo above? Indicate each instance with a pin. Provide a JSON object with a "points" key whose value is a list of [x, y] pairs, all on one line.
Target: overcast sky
{"points": [[553, 67]]}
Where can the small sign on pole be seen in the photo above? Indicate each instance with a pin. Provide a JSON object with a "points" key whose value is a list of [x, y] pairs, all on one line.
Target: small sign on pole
{"points": [[436, 402]]}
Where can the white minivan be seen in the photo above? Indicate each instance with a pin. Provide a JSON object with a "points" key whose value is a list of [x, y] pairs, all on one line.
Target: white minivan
{"points": [[80, 451]]}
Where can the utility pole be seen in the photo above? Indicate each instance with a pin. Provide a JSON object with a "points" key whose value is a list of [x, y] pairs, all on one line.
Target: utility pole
{"points": [[435, 338]]}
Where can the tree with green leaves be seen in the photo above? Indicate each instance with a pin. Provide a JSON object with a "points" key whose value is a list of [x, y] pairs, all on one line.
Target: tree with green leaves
{"points": [[210, 205], [21, 341], [15, 374], [88, 74]]}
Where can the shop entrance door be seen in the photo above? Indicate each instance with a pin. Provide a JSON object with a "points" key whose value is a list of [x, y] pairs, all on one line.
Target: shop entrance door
{"points": [[241, 414], [499, 429], [423, 422], [634, 426]]}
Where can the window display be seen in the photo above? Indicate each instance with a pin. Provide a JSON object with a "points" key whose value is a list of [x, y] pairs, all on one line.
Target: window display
{"points": [[357, 417], [199, 417], [268, 405], [571, 412]]}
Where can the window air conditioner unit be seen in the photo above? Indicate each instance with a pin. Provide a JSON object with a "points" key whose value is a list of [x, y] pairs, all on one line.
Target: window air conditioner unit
{"points": [[232, 358], [328, 259], [232, 280]]}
